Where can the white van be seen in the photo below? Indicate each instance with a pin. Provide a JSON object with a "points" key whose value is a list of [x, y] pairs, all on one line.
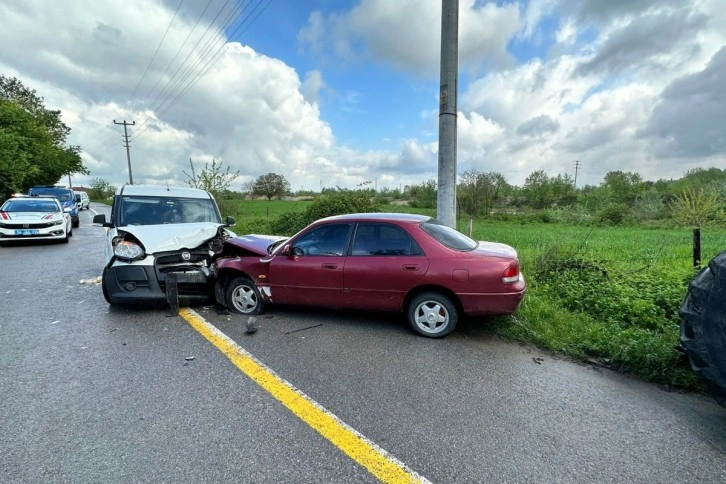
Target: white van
{"points": [[160, 244]]}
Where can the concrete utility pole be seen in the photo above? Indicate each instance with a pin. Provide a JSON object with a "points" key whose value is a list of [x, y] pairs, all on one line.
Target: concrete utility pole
{"points": [[126, 144], [446, 198], [577, 168]]}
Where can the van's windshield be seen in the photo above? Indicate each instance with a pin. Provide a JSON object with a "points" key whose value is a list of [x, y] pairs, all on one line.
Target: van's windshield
{"points": [[136, 210]]}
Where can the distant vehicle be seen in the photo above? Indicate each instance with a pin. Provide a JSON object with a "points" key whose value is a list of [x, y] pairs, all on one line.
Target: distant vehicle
{"points": [[63, 194], [160, 244], [34, 218], [82, 200], [381, 262]]}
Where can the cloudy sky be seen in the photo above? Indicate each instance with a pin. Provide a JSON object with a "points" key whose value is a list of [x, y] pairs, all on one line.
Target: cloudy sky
{"points": [[340, 92]]}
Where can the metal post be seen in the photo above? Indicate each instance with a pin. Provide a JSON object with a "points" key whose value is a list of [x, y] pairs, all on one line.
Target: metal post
{"points": [[446, 197], [697, 248]]}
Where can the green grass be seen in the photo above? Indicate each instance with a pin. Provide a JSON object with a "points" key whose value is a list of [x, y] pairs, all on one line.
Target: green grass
{"points": [[263, 208], [605, 293]]}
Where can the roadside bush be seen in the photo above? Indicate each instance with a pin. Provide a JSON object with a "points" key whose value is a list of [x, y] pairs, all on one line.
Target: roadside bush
{"points": [[573, 215], [252, 225], [646, 299], [332, 203], [615, 214], [339, 203], [289, 223]]}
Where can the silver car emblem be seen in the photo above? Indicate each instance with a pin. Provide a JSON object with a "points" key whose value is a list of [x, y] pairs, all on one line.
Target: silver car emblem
{"points": [[186, 256]]}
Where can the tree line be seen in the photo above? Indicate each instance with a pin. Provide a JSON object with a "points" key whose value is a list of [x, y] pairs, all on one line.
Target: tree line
{"points": [[34, 151], [33, 141]]}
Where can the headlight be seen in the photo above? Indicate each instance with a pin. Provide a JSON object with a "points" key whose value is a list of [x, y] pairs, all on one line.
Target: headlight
{"points": [[128, 250], [57, 222]]}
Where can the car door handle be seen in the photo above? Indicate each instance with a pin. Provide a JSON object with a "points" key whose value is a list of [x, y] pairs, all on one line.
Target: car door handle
{"points": [[329, 266], [410, 267]]}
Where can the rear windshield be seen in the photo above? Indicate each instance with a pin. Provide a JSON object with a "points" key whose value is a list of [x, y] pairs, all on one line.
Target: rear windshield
{"points": [[447, 236], [167, 210], [62, 194], [30, 205]]}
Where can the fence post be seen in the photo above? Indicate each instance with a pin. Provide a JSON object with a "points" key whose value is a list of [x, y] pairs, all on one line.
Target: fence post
{"points": [[697, 248], [470, 227]]}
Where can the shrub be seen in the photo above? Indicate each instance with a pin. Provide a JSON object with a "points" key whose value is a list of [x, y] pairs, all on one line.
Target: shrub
{"points": [[614, 214], [289, 223], [253, 225], [332, 203]]}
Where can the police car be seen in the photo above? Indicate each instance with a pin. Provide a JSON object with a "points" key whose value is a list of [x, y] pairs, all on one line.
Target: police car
{"points": [[34, 218]]}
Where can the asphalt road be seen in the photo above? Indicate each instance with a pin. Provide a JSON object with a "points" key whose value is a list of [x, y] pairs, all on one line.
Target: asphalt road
{"points": [[93, 393]]}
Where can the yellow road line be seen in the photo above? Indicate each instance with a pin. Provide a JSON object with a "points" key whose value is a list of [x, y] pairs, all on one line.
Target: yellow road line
{"points": [[356, 446]]}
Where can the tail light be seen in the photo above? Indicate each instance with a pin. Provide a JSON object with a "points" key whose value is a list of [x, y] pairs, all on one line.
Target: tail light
{"points": [[511, 273]]}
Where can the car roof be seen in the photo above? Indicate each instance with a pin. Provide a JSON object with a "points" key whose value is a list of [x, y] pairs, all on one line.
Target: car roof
{"points": [[48, 188], [33, 199], [161, 191], [379, 217]]}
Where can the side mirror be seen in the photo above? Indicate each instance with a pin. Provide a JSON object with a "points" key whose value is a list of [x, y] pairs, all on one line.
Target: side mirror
{"points": [[100, 219], [285, 250], [229, 222]]}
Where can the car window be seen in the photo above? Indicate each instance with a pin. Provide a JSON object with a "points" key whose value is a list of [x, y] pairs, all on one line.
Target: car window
{"points": [[62, 194], [447, 236], [166, 210], [29, 205], [325, 240], [375, 239]]}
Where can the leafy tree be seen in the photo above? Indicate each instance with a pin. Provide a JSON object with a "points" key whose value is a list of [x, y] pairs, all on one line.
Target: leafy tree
{"points": [[33, 140], [21, 140], [625, 186], [538, 189], [211, 179], [697, 209], [271, 185], [477, 191], [100, 189], [649, 205], [423, 195]]}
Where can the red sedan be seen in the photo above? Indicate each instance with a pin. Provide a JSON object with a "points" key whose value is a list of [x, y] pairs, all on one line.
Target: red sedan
{"points": [[374, 261]]}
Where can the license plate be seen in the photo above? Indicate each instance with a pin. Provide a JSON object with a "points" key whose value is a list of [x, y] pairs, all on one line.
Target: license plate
{"points": [[26, 232]]}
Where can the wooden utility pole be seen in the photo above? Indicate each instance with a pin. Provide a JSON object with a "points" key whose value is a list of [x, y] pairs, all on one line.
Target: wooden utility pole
{"points": [[446, 197], [126, 144]]}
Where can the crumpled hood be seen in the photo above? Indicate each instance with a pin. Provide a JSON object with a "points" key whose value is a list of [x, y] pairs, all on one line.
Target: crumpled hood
{"points": [[496, 249], [257, 244], [168, 237]]}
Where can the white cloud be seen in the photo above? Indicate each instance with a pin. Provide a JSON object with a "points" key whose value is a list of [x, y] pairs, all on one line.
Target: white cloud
{"points": [[624, 85], [407, 33]]}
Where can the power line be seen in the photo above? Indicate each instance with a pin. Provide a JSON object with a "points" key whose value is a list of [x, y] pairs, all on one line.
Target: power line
{"points": [[156, 51], [208, 65], [154, 107]]}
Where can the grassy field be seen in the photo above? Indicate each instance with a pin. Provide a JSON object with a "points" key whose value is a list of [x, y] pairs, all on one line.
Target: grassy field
{"points": [[604, 294]]}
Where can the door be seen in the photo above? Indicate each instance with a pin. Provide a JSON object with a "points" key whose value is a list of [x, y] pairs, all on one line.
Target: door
{"points": [[311, 273], [384, 263]]}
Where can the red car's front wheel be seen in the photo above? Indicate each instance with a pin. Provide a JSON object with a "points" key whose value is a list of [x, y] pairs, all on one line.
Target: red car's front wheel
{"points": [[243, 296]]}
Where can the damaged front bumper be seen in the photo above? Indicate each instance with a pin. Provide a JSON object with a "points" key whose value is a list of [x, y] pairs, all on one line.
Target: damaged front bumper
{"points": [[144, 282]]}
